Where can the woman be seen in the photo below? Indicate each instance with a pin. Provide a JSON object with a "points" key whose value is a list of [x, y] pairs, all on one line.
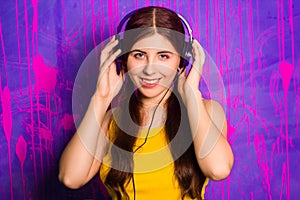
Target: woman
{"points": [[170, 140]]}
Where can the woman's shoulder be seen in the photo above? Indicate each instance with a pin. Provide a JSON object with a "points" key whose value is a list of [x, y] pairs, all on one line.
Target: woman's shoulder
{"points": [[213, 106]]}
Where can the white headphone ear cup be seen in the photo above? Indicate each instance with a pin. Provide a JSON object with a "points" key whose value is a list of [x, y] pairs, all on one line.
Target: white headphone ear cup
{"points": [[189, 50]]}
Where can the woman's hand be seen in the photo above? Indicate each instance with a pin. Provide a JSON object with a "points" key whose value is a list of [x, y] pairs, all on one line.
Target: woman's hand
{"points": [[188, 83], [109, 82]]}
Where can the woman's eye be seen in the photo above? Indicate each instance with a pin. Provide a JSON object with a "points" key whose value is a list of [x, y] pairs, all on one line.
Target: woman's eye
{"points": [[164, 56], [139, 55]]}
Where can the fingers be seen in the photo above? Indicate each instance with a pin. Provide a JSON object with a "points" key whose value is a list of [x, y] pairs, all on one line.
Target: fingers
{"points": [[202, 54], [110, 60], [108, 68], [199, 59], [107, 56], [199, 56], [181, 81], [106, 52]]}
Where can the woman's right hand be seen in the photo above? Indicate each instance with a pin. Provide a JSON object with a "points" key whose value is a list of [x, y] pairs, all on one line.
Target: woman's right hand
{"points": [[109, 82]]}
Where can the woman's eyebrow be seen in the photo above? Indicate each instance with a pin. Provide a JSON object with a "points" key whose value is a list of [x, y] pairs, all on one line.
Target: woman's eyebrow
{"points": [[138, 50], [166, 52], [144, 52]]}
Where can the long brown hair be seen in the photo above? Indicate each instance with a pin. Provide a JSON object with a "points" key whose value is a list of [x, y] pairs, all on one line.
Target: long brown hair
{"points": [[187, 171]]}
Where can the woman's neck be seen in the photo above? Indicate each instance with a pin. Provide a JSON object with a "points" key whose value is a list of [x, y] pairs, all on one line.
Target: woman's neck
{"points": [[153, 109], [153, 115], [150, 102]]}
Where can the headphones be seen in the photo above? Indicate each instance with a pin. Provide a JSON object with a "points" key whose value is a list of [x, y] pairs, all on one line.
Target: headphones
{"points": [[186, 53]]}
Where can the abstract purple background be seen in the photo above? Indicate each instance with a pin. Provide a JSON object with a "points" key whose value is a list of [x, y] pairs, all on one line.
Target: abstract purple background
{"points": [[255, 45]]}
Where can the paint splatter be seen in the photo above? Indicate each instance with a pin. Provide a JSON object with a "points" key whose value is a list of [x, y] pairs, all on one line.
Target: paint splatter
{"points": [[252, 43]]}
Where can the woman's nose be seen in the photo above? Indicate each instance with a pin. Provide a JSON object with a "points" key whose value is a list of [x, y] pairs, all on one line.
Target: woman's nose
{"points": [[149, 68]]}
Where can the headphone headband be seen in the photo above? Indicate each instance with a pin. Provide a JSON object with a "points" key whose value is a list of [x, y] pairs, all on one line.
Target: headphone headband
{"points": [[187, 26], [124, 19], [182, 19]]}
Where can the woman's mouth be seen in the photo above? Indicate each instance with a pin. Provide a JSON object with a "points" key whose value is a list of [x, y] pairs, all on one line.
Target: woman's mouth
{"points": [[149, 83]]}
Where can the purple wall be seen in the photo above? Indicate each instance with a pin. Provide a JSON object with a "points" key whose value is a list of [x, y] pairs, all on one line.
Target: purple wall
{"points": [[255, 45]]}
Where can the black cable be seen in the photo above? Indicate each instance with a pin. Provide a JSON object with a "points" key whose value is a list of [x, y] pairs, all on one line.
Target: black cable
{"points": [[148, 131]]}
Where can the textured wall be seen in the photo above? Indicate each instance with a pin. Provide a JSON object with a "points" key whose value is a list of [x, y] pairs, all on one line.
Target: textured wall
{"points": [[255, 46]]}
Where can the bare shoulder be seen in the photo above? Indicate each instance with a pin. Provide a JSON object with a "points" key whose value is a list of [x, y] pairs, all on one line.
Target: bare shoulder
{"points": [[213, 106]]}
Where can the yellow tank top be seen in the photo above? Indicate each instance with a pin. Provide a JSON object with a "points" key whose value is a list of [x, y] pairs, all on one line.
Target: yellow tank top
{"points": [[153, 169]]}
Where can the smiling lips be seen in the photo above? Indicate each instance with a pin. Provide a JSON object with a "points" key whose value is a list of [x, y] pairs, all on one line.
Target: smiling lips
{"points": [[149, 83]]}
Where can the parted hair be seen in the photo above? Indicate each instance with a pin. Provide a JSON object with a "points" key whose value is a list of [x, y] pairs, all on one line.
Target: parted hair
{"points": [[186, 168]]}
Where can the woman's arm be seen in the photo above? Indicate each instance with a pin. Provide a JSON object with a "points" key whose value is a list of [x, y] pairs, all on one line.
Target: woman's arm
{"points": [[209, 128], [81, 157], [207, 120]]}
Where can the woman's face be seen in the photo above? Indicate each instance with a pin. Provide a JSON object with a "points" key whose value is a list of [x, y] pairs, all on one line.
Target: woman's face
{"points": [[152, 64]]}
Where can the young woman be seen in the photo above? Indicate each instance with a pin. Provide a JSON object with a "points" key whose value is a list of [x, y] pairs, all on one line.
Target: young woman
{"points": [[163, 140]]}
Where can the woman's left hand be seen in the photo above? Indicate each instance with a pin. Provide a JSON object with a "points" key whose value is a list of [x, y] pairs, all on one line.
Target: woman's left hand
{"points": [[188, 83]]}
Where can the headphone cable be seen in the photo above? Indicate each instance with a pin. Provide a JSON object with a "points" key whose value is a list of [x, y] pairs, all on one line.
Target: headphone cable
{"points": [[148, 131]]}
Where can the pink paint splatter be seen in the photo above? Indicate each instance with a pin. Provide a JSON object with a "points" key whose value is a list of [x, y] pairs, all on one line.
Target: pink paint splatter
{"points": [[286, 70], [94, 22], [7, 125], [68, 122], [3, 49], [21, 151], [45, 76], [45, 80], [35, 14], [18, 35], [30, 89], [110, 16], [260, 147], [7, 116]]}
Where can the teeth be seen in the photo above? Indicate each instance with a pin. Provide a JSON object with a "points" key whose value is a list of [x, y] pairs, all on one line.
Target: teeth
{"points": [[150, 81]]}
